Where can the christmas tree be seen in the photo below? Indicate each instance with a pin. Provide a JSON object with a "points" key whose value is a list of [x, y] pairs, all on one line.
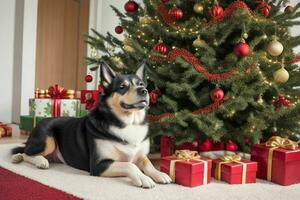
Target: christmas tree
{"points": [[220, 70]]}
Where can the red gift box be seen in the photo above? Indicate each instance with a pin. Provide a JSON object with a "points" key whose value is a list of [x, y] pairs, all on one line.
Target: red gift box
{"points": [[5, 130], [90, 98], [189, 173], [167, 146], [284, 164], [232, 172]]}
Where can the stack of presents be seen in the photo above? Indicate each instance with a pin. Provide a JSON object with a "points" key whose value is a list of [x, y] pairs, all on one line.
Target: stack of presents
{"points": [[277, 160], [57, 101]]}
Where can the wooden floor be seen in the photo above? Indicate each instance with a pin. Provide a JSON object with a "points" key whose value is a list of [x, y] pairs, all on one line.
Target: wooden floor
{"points": [[16, 136]]}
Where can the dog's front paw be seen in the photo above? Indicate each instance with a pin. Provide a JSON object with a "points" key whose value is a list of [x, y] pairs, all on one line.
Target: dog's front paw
{"points": [[42, 163], [160, 177], [143, 181]]}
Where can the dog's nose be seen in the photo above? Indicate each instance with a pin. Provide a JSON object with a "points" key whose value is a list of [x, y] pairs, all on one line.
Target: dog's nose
{"points": [[142, 91]]}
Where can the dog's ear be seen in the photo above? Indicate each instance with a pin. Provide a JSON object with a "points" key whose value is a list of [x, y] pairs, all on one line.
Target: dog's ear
{"points": [[141, 71], [107, 74]]}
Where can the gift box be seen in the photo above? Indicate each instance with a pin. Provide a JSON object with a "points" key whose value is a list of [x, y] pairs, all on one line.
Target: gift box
{"points": [[56, 102], [278, 160], [54, 107], [90, 98], [233, 170], [191, 170], [27, 122], [168, 146], [5, 130]]}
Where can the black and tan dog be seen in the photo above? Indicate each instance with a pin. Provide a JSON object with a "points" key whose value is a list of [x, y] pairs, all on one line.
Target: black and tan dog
{"points": [[111, 141]]}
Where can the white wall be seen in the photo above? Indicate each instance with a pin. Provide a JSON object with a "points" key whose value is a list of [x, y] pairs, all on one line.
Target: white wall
{"points": [[296, 29], [7, 19]]}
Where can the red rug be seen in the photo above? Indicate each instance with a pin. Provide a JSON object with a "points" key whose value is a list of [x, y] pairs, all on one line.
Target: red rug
{"points": [[14, 186]]}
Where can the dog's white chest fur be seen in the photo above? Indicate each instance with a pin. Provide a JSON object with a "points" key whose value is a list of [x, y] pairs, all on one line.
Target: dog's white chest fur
{"points": [[133, 134]]}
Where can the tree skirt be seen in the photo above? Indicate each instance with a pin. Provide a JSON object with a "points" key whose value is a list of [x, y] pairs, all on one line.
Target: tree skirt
{"points": [[80, 184]]}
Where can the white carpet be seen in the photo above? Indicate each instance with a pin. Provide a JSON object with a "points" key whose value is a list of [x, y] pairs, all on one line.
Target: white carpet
{"points": [[80, 184]]}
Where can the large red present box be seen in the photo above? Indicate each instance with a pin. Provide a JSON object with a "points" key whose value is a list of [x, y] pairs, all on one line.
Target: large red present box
{"points": [[283, 165], [232, 172], [168, 146], [189, 173]]}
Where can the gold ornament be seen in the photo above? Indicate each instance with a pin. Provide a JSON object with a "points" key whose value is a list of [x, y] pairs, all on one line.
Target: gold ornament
{"points": [[198, 42], [117, 61], [281, 75], [275, 48], [128, 48], [198, 8]]}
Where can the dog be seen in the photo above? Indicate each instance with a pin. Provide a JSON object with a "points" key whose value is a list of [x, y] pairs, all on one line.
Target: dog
{"points": [[111, 141]]}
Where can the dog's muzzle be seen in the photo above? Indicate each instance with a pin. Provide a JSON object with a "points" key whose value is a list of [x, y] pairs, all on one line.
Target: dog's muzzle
{"points": [[139, 105]]}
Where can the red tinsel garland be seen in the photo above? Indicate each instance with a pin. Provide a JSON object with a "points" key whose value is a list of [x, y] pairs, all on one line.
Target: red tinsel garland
{"points": [[207, 109], [293, 61], [190, 58]]}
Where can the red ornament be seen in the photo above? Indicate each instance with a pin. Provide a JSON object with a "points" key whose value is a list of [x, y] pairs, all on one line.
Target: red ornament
{"points": [[206, 145], [118, 29], [264, 8], [131, 6], [288, 9], [161, 48], [241, 49], [217, 95], [230, 146], [175, 13], [281, 101], [88, 78], [216, 11]]}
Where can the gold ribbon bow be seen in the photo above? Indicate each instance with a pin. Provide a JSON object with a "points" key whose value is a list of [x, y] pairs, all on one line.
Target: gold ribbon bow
{"points": [[276, 142], [187, 155], [232, 158]]}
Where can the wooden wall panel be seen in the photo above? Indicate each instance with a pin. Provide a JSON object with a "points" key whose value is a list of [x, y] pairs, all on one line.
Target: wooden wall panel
{"points": [[60, 45]]}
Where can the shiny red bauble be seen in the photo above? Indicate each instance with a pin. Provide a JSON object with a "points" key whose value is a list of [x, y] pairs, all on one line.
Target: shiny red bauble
{"points": [[161, 48], [241, 49], [288, 9], [217, 95], [216, 11], [281, 101], [175, 13], [118, 29], [264, 8], [88, 78], [206, 145], [230, 146], [130, 6]]}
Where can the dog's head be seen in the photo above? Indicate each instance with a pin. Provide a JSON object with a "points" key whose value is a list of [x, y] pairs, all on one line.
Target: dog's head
{"points": [[126, 93]]}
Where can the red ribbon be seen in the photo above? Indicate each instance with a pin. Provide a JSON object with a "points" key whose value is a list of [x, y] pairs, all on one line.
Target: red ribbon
{"points": [[57, 93]]}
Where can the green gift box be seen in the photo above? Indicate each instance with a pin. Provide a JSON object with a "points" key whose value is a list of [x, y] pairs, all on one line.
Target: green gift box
{"points": [[29, 122], [40, 107]]}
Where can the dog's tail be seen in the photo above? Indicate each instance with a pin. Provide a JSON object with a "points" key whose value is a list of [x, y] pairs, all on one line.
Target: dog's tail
{"points": [[17, 150]]}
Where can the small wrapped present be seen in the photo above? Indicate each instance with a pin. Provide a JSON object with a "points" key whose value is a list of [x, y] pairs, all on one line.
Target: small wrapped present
{"points": [[60, 103], [187, 168], [5, 130], [168, 146], [27, 123], [233, 170], [278, 160]]}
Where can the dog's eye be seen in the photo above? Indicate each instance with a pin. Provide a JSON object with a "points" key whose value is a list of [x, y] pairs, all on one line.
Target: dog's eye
{"points": [[122, 86], [141, 84]]}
